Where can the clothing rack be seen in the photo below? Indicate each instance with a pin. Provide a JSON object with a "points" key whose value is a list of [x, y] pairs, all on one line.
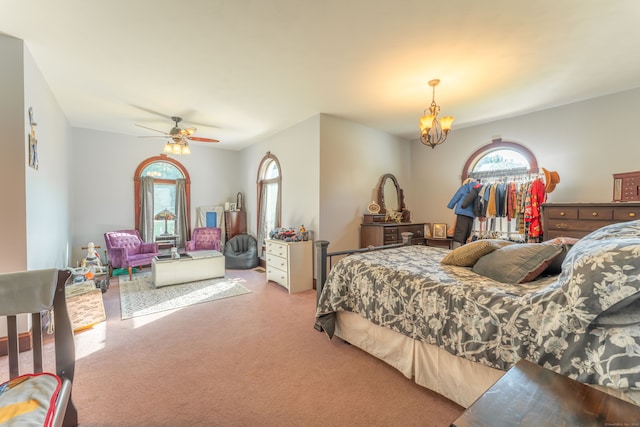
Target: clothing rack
{"points": [[502, 227], [515, 172]]}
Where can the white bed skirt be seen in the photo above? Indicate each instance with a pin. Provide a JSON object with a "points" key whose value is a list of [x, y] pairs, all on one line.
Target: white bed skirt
{"points": [[455, 378]]}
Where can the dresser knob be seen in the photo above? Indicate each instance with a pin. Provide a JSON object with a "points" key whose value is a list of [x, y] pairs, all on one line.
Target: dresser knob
{"points": [[562, 213], [632, 214], [562, 226], [594, 213]]}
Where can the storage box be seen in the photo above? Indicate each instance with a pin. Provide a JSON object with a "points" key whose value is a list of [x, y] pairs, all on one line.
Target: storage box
{"points": [[626, 187]]}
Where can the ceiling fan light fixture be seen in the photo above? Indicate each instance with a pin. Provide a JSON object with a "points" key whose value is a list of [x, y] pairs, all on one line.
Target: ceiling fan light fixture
{"points": [[167, 148]]}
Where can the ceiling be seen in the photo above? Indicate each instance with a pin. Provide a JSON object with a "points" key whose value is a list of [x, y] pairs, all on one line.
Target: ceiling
{"points": [[241, 70]]}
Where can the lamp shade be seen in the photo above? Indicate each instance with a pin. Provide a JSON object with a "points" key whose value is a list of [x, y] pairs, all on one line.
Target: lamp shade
{"points": [[165, 214]]}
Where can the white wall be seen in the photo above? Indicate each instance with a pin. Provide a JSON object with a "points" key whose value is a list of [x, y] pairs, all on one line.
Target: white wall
{"points": [[102, 181], [47, 188], [353, 157], [297, 151], [13, 247], [585, 143]]}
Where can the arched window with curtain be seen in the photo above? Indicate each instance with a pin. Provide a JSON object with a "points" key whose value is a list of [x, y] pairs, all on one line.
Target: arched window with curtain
{"points": [[162, 199], [269, 197]]}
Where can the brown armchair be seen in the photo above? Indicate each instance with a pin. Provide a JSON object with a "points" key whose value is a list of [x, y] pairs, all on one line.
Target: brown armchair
{"points": [[126, 249]]}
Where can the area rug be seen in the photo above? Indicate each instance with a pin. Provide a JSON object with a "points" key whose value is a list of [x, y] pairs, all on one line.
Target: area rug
{"points": [[138, 297]]}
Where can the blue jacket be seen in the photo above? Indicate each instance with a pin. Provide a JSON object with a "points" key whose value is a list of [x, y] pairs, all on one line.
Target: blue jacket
{"points": [[459, 197]]}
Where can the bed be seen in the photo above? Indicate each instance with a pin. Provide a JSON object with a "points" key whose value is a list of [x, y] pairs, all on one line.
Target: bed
{"points": [[456, 331]]}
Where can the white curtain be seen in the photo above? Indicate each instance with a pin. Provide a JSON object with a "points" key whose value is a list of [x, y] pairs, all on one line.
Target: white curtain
{"points": [[146, 208], [182, 225], [269, 212]]}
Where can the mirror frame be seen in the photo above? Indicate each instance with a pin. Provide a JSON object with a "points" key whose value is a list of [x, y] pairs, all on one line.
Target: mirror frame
{"points": [[380, 191]]}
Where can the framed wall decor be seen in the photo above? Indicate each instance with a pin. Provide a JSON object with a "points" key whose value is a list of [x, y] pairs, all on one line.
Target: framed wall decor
{"points": [[33, 152], [427, 229], [439, 231], [33, 142]]}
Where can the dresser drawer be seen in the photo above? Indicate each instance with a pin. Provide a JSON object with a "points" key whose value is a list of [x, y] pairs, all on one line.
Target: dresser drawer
{"points": [[278, 276], [624, 213], [561, 213], [416, 230], [595, 213], [276, 249], [575, 225], [277, 262]]}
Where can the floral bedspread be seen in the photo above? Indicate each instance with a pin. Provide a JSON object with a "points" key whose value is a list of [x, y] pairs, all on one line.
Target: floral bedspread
{"points": [[549, 321]]}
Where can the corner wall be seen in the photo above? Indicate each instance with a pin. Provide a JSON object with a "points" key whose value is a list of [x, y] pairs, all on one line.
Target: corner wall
{"points": [[353, 157]]}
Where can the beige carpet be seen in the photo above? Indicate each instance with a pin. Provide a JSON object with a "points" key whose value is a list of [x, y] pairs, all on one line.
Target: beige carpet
{"points": [[139, 297]]}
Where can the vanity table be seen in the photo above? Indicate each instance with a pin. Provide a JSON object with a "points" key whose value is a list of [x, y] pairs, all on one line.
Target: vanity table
{"points": [[377, 229], [388, 233]]}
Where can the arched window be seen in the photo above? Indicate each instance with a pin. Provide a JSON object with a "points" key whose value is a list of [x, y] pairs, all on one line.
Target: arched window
{"points": [[167, 209], [500, 157], [269, 197]]}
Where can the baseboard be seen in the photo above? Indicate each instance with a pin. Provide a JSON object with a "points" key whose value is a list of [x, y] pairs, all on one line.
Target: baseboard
{"points": [[24, 343]]}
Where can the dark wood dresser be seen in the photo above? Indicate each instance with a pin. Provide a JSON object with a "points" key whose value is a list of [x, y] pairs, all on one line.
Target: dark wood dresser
{"points": [[530, 395], [579, 219], [235, 223], [389, 233]]}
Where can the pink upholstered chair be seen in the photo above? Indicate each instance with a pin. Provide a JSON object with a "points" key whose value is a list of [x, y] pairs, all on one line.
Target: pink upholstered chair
{"points": [[204, 239], [126, 249]]}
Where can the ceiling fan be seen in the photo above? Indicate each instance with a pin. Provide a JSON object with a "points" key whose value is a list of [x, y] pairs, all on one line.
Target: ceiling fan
{"points": [[178, 137]]}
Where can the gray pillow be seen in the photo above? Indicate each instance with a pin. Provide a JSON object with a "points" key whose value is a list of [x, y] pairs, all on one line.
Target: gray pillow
{"points": [[517, 263], [467, 255]]}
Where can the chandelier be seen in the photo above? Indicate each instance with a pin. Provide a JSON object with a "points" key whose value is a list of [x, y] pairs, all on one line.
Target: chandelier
{"points": [[433, 131], [177, 146]]}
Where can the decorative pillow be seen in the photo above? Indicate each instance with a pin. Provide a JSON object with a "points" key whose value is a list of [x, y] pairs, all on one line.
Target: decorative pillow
{"points": [[517, 263], [29, 399], [467, 255], [562, 241], [603, 269], [555, 267]]}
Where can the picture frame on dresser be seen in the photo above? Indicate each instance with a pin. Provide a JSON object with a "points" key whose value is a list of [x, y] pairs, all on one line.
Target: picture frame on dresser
{"points": [[439, 231], [427, 230]]}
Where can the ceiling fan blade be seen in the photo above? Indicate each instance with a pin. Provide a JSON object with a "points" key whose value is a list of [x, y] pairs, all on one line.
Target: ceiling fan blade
{"points": [[155, 130], [199, 139]]}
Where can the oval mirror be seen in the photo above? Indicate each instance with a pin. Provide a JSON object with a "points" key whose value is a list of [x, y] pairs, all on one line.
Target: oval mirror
{"points": [[391, 196]]}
